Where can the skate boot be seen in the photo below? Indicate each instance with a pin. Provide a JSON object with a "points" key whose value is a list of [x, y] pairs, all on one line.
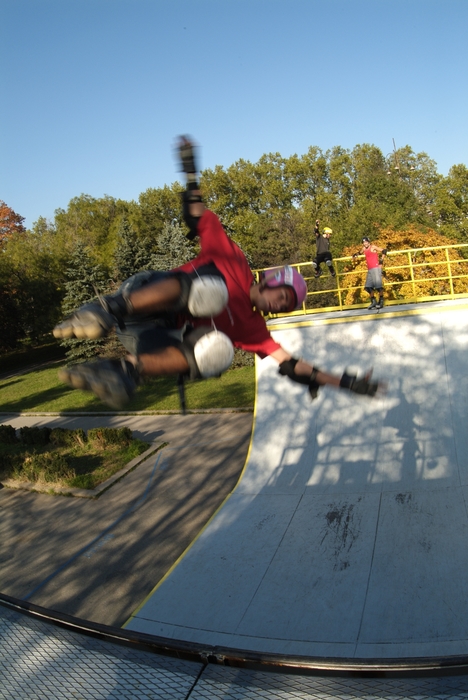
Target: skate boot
{"points": [[113, 381], [373, 305], [380, 303]]}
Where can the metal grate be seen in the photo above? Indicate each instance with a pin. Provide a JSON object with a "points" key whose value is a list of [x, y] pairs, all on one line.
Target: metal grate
{"points": [[240, 684], [40, 661]]}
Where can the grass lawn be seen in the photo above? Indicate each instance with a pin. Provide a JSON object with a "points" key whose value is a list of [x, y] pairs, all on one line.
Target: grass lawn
{"points": [[40, 390]]}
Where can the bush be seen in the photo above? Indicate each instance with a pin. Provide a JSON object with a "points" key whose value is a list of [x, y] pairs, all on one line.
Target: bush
{"points": [[6, 463], [101, 437], [46, 466], [35, 436], [63, 437], [242, 359], [8, 435]]}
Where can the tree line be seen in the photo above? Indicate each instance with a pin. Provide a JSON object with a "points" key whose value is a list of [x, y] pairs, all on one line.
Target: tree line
{"points": [[269, 208]]}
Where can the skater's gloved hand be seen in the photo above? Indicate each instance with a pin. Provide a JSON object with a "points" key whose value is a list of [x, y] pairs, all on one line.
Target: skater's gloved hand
{"points": [[95, 319], [363, 386], [186, 149]]}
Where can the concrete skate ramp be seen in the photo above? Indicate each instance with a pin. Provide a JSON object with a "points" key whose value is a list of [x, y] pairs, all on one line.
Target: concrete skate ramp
{"points": [[347, 535]]}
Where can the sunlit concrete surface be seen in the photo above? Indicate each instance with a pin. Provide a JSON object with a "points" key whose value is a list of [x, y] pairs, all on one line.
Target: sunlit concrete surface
{"points": [[347, 535]]}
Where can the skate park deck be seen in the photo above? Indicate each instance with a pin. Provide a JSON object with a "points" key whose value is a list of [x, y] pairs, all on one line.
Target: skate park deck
{"points": [[347, 533], [345, 539]]}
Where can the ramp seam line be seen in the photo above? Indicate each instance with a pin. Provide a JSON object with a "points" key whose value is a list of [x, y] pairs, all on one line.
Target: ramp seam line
{"points": [[370, 574], [270, 562]]}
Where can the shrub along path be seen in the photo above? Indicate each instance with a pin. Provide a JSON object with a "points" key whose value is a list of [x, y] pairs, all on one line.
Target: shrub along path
{"points": [[61, 460]]}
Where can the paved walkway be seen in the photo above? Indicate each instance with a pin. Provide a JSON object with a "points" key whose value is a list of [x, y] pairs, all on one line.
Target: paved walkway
{"points": [[98, 559]]}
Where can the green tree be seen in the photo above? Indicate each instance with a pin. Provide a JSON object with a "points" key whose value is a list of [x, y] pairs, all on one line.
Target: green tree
{"points": [[85, 278], [174, 248], [158, 207], [132, 254], [257, 205], [10, 320], [450, 203], [93, 222], [36, 280]]}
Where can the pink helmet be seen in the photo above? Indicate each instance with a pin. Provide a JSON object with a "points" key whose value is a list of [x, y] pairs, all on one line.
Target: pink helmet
{"points": [[287, 276]]}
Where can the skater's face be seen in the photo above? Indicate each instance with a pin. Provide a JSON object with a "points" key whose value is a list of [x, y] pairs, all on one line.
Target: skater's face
{"points": [[366, 244], [275, 300]]}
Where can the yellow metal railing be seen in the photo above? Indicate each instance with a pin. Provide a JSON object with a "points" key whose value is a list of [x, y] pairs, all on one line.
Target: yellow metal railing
{"points": [[409, 276]]}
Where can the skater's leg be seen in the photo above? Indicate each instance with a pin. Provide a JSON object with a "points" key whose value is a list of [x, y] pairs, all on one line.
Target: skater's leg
{"points": [[168, 361], [371, 293], [201, 353], [202, 293], [329, 264], [157, 297], [115, 381]]}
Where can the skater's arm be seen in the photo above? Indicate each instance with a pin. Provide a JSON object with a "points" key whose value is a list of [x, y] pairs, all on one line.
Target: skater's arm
{"points": [[304, 370], [303, 373], [192, 204]]}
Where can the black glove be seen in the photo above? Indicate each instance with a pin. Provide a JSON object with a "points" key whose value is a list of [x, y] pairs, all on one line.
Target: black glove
{"points": [[187, 155], [359, 386], [286, 368], [188, 198]]}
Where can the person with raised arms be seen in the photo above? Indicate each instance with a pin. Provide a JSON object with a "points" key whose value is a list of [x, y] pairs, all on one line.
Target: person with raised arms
{"points": [[187, 321]]}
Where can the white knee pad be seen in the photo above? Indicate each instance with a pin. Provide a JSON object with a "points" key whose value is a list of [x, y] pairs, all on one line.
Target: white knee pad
{"points": [[213, 353], [208, 296], [329, 263]]}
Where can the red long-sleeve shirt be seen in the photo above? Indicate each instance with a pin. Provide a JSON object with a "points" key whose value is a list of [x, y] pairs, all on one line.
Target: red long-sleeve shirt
{"points": [[239, 321]]}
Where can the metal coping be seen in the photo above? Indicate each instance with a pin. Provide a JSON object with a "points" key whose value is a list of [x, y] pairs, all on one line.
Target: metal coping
{"points": [[238, 658]]}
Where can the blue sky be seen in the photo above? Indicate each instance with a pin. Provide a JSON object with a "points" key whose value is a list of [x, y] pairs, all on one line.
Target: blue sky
{"points": [[95, 91]]}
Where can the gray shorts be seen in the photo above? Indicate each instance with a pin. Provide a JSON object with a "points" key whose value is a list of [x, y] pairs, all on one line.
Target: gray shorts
{"points": [[152, 334], [374, 278]]}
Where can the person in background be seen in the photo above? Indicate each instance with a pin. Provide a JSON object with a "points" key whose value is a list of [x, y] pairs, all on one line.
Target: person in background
{"points": [[323, 254], [374, 271]]}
